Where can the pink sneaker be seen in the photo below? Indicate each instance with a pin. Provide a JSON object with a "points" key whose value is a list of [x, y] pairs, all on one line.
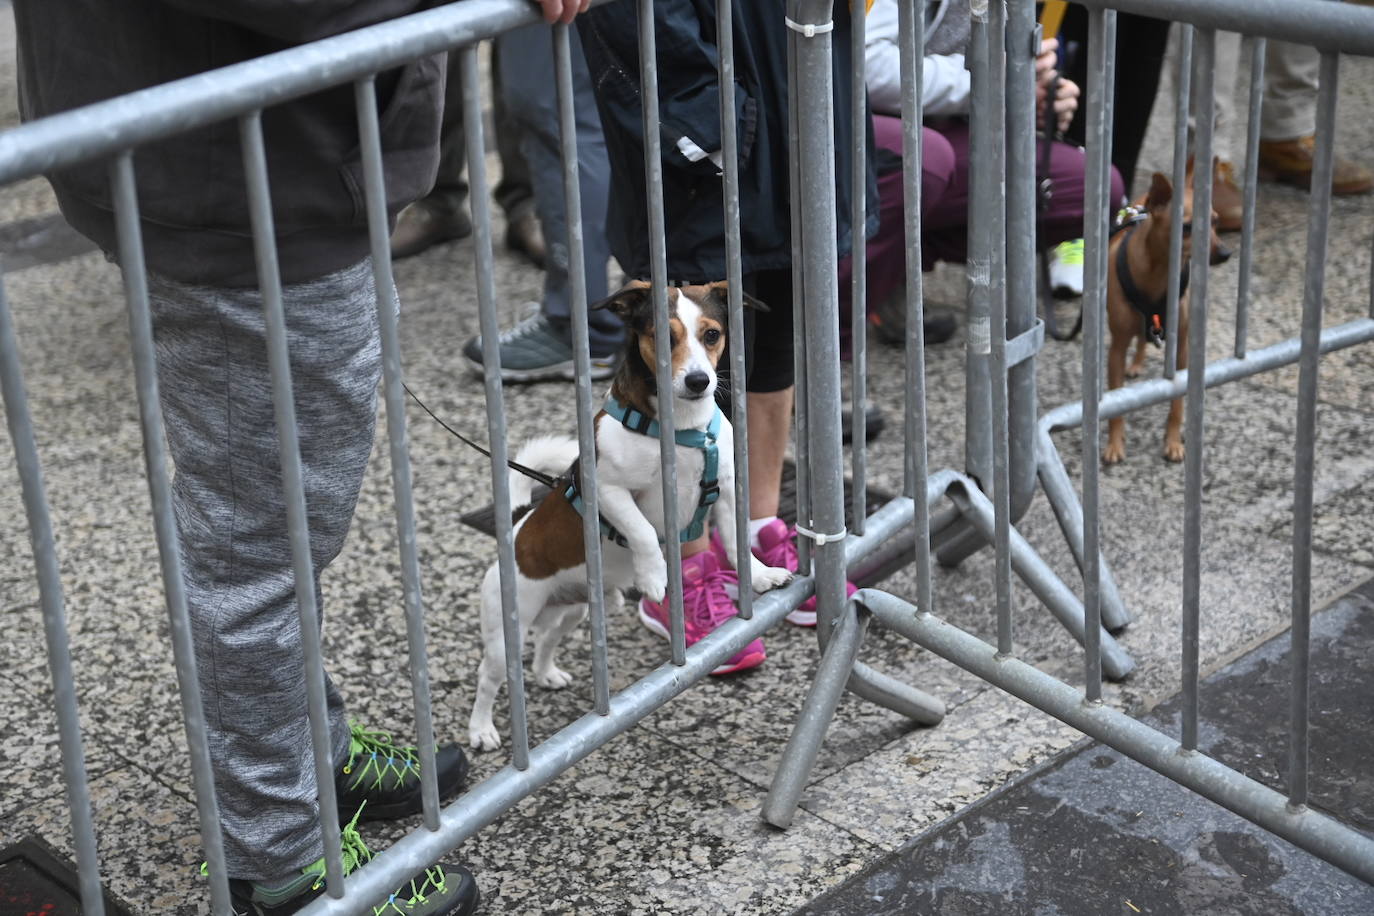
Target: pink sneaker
{"points": [[707, 602], [778, 547]]}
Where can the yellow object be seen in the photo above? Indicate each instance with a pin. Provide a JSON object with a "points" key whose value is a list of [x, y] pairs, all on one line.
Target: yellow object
{"points": [[1052, 17]]}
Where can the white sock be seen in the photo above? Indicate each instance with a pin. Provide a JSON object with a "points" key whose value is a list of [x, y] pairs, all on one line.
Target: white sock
{"points": [[755, 526]]}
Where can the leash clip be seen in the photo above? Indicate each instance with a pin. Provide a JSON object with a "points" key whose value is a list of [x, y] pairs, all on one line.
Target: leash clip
{"points": [[820, 538]]}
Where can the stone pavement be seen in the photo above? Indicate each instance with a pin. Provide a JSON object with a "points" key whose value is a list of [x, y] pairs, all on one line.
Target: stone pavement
{"points": [[664, 819]]}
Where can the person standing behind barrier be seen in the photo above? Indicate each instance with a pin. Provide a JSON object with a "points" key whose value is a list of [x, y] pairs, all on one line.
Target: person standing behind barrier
{"points": [[540, 346], [945, 160], [442, 214], [1288, 124], [694, 216], [216, 401]]}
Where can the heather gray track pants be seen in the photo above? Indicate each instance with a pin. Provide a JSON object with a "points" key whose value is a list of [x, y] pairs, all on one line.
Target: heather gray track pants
{"points": [[231, 515]]}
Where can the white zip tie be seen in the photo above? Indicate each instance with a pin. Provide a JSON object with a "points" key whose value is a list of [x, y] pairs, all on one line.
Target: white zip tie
{"points": [[822, 539], [810, 30]]}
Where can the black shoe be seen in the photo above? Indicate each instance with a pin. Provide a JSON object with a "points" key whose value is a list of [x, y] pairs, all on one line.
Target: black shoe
{"points": [[423, 225], [874, 423], [939, 327], [889, 322], [383, 779], [439, 890]]}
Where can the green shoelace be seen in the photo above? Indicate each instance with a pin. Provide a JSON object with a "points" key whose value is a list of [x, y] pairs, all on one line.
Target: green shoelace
{"points": [[379, 758], [355, 855]]}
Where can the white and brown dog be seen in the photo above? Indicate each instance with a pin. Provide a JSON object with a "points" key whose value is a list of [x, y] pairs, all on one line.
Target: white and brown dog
{"points": [[551, 574]]}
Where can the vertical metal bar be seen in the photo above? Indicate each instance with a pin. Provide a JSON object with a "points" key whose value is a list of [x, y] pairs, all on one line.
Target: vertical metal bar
{"points": [[1258, 48], [1021, 264], [1205, 60], [1318, 213], [164, 523], [496, 411], [814, 94], [802, 452], [997, 362], [985, 119], [911, 50], [1183, 82], [734, 280], [298, 530], [1101, 26], [858, 251], [658, 269], [582, 363], [374, 190], [20, 425]]}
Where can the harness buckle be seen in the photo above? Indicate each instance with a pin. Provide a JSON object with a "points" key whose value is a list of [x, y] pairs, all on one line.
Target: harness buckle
{"points": [[710, 492]]}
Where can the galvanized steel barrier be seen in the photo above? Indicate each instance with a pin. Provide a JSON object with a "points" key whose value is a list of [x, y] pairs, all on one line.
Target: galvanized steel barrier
{"points": [[944, 511]]}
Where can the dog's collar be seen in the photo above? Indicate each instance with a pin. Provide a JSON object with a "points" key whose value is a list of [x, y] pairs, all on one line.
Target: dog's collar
{"points": [[1152, 312], [705, 439]]}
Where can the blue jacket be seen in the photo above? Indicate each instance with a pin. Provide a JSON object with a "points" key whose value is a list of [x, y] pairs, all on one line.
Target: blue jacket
{"points": [[689, 109]]}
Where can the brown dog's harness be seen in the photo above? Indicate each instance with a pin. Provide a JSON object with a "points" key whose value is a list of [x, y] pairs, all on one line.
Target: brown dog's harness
{"points": [[1152, 311]]}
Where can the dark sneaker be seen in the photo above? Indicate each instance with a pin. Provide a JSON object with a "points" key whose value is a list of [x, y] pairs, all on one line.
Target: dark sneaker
{"points": [[423, 225], [534, 350], [385, 777], [440, 890], [525, 236]]}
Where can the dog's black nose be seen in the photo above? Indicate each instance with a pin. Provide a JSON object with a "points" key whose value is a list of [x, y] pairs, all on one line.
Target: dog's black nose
{"points": [[697, 381], [1221, 254]]}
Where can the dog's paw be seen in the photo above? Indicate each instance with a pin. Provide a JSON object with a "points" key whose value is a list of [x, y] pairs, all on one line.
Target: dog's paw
{"points": [[651, 577], [1134, 370], [1114, 453], [766, 577], [554, 679], [1173, 451], [483, 737]]}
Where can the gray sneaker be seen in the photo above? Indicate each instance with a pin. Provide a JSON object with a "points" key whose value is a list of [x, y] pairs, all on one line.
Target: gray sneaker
{"points": [[534, 350]]}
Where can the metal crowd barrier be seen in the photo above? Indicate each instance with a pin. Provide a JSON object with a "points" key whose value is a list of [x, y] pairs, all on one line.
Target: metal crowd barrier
{"points": [[944, 511], [1006, 449]]}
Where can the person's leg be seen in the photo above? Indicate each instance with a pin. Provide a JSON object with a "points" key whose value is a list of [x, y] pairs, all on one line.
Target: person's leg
{"points": [[1288, 123], [442, 214], [1290, 91], [886, 258], [1063, 217], [514, 193], [541, 346], [231, 516]]}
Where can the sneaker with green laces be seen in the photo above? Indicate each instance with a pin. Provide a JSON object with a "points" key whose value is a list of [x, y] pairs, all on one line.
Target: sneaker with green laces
{"points": [[1066, 269], [383, 778], [534, 350], [440, 890]]}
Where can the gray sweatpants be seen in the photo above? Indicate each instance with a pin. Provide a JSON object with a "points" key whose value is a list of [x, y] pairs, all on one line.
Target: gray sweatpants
{"points": [[231, 515]]}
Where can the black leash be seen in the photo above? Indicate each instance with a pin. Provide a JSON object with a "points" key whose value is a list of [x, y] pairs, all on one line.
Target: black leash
{"points": [[550, 482]]}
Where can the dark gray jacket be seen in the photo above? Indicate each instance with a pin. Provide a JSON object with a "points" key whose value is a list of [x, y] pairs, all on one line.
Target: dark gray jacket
{"points": [[191, 187]]}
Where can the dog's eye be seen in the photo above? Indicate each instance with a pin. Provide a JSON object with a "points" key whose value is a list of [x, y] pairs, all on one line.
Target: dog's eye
{"points": [[711, 337]]}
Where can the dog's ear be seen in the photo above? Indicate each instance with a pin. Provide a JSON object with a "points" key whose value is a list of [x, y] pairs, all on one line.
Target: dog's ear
{"points": [[720, 292], [630, 300], [1161, 192]]}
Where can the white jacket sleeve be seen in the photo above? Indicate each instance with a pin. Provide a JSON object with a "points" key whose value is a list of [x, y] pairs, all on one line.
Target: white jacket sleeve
{"points": [[945, 82]]}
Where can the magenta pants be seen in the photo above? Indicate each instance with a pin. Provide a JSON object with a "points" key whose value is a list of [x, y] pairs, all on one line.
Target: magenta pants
{"points": [[944, 205]]}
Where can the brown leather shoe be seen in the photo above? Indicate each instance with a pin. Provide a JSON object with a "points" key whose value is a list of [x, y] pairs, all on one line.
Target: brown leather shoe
{"points": [[1290, 161], [421, 225], [1226, 198], [525, 236]]}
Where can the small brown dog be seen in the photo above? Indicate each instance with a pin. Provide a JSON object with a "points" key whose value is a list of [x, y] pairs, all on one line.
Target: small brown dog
{"points": [[1138, 295]]}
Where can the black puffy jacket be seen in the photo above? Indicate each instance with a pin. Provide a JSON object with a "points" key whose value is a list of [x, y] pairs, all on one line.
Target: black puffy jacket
{"points": [[689, 107], [191, 187]]}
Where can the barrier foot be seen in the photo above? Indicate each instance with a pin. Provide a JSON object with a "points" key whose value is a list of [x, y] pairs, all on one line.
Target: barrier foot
{"points": [[1049, 588], [903, 699], [957, 544], [1067, 510], [804, 744]]}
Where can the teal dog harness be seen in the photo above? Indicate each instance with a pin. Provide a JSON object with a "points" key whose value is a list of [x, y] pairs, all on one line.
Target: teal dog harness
{"points": [[637, 422]]}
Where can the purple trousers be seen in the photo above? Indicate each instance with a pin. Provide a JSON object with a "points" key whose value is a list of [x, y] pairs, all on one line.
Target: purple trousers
{"points": [[944, 205]]}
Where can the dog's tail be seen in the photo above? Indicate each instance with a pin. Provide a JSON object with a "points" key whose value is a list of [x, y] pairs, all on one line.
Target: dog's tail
{"points": [[550, 454]]}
